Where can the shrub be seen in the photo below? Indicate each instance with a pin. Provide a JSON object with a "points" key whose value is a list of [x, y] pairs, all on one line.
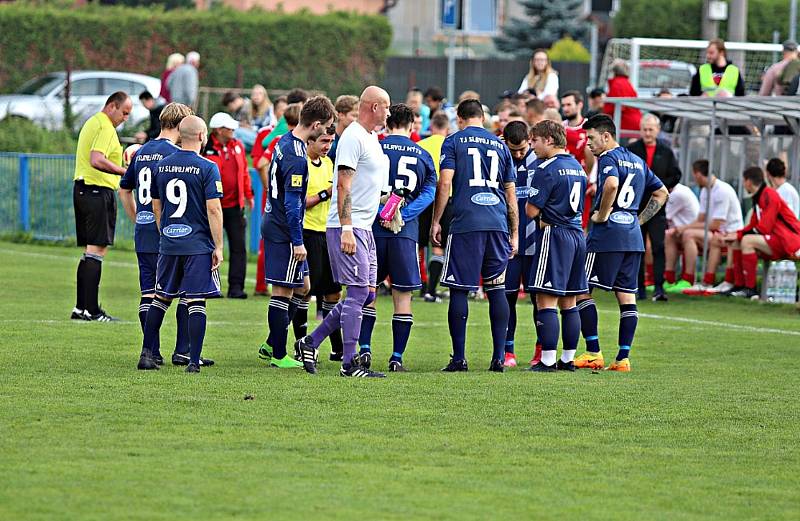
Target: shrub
{"points": [[568, 50], [21, 135]]}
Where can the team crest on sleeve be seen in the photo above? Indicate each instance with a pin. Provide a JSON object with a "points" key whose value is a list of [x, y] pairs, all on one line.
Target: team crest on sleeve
{"points": [[297, 180], [218, 184], [608, 169]]}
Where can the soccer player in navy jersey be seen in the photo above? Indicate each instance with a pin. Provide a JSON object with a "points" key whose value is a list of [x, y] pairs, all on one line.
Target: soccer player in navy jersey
{"points": [[412, 174], [186, 203], [615, 243], [285, 263], [483, 234], [136, 196], [557, 274]]}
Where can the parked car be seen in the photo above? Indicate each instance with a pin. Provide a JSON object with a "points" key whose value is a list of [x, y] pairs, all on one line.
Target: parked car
{"points": [[41, 99], [655, 75]]}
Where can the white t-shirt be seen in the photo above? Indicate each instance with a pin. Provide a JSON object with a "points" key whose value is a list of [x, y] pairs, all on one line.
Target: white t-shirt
{"points": [[789, 194], [550, 86], [724, 205], [682, 206], [361, 151]]}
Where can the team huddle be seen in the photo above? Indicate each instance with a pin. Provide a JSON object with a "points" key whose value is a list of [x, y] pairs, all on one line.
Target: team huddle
{"points": [[507, 211]]}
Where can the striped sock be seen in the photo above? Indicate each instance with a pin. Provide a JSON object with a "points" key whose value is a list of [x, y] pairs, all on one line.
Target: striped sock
{"points": [[588, 313], [401, 330], [628, 318], [197, 329], [370, 315], [155, 317], [300, 320], [278, 320]]}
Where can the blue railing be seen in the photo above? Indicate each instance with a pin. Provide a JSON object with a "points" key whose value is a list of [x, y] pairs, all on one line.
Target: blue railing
{"points": [[36, 199]]}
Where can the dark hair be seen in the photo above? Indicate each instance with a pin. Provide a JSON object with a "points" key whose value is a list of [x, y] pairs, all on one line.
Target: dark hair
{"points": [[145, 96], [776, 167], [118, 98], [292, 114], [596, 93], [673, 177], [434, 93], [575, 94], [551, 129], [296, 96], [280, 99], [516, 132], [535, 105], [229, 97], [469, 108], [518, 96], [318, 108], [440, 120], [701, 167], [754, 174], [400, 116], [601, 123]]}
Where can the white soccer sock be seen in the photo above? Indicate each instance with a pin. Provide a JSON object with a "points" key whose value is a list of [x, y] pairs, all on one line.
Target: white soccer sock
{"points": [[549, 357], [568, 355]]}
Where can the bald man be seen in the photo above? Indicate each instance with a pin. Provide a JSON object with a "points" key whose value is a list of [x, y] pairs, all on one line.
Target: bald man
{"points": [[361, 170], [186, 203]]}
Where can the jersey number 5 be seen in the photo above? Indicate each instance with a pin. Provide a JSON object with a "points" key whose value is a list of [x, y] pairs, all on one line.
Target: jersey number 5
{"points": [[176, 194], [477, 170]]}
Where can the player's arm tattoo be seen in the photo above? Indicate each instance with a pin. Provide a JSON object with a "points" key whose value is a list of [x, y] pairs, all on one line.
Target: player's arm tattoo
{"points": [[657, 200], [344, 202], [513, 208]]}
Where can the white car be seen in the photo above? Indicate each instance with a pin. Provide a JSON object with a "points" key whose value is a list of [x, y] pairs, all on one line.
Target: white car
{"points": [[41, 100], [655, 75]]}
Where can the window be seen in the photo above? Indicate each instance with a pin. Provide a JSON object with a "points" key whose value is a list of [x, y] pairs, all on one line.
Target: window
{"points": [[86, 87], [476, 16], [112, 85]]}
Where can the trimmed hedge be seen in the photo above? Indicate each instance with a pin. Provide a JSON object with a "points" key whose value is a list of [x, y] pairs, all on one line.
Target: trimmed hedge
{"points": [[336, 52]]}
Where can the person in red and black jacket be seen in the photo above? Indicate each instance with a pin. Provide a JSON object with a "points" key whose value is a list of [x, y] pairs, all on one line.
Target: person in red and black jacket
{"points": [[620, 86], [773, 231], [237, 194]]}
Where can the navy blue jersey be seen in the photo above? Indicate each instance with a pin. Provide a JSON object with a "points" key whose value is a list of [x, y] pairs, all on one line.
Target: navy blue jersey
{"points": [[524, 169], [621, 231], [288, 184], [184, 182], [139, 178], [410, 168], [482, 165], [559, 184]]}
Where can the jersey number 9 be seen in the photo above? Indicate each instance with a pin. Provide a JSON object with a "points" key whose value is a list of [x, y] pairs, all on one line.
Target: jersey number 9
{"points": [[176, 194]]}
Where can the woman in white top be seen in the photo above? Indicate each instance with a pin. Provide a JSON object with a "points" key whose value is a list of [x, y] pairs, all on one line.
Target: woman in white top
{"points": [[541, 79]]}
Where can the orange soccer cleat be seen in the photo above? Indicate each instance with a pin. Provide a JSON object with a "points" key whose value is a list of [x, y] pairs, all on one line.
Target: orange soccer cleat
{"points": [[590, 361], [623, 366]]}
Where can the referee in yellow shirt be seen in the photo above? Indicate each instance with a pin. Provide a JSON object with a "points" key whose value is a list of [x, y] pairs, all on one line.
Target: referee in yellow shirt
{"points": [[98, 168], [320, 186]]}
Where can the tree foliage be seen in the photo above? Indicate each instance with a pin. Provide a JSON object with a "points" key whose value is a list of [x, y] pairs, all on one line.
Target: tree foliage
{"points": [[546, 22]]}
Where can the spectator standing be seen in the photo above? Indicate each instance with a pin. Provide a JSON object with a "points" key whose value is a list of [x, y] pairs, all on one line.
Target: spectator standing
{"points": [[414, 100], [294, 96], [155, 107], [542, 79], [534, 111], [228, 153], [779, 75], [261, 113], [659, 158], [174, 60], [98, 167], [597, 98], [240, 109], [346, 112], [620, 86], [718, 76], [776, 174], [185, 80]]}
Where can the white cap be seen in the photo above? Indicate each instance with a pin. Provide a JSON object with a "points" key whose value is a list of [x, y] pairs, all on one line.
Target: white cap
{"points": [[223, 120]]}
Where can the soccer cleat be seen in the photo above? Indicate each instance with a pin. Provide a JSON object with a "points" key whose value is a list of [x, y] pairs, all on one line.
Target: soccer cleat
{"points": [[396, 366], [79, 314], [356, 371], [537, 355], [660, 296], [455, 366], [732, 291], [511, 360], [623, 366], [432, 298], [158, 358], [698, 290], [182, 359], [496, 366], [308, 354], [102, 316], [565, 366], [364, 359], [146, 361], [722, 288], [542, 368], [193, 368], [678, 287], [748, 293], [336, 357], [590, 361], [265, 351], [287, 362]]}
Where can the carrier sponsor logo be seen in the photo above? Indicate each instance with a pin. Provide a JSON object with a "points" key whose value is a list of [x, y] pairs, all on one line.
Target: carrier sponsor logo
{"points": [[523, 192], [621, 218], [145, 217], [485, 199], [177, 230]]}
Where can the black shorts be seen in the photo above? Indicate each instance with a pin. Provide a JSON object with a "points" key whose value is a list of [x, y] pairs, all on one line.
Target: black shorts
{"points": [[319, 264], [425, 219], [95, 214]]}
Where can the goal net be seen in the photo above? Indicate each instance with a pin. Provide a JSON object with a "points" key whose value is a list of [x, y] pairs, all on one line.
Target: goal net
{"points": [[663, 63]]}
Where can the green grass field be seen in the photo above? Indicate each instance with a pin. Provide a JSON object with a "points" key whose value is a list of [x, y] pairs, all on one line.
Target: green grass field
{"points": [[706, 426]]}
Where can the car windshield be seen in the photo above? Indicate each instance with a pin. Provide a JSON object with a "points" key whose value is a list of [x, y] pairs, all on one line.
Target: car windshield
{"points": [[664, 77], [42, 85]]}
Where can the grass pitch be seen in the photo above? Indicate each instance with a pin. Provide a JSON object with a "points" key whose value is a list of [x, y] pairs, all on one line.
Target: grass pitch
{"points": [[704, 427]]}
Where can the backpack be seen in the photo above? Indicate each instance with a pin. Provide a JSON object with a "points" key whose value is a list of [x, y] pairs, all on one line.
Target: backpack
{"points": [[790, 72]]}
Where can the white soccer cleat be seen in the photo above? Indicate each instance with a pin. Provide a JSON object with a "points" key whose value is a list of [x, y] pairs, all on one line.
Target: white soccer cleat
{"points": [[722, 287]]}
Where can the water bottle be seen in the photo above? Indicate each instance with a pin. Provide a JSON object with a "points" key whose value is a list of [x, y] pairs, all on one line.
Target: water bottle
{"points": [[773, 282], [391, 206], [784, 281], [791, 282]]}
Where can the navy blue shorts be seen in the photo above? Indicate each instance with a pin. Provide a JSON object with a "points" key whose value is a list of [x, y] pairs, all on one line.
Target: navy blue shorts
{"points": [[474, 255], [614, 270], [558, 266], [280, 267], [398, 259], [187, 276], [517, 272], [148, 263]]}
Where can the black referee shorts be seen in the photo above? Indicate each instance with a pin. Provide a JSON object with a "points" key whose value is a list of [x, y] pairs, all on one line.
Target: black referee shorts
{"points": [[425, 219], [319, 264], [95, 214]]}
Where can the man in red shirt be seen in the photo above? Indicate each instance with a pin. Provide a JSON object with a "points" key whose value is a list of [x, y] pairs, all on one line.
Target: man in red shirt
{"points": [[572, 108], [237, 194], [773, 231]]}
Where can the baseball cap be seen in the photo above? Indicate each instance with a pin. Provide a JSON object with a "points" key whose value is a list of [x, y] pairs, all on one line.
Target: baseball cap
{"points": [[790, 45], [223, 120]]}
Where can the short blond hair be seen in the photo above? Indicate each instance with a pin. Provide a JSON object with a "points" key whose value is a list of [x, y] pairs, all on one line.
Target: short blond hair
{"points": [[172, 115], [345, 103], [175, 59]]}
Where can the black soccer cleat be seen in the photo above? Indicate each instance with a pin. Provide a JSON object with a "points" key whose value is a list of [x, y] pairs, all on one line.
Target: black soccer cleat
{"points": [[455, 366], [660, 296], [731, 291], [102, 316], [396, 366], [496, 366], [565, 366], [539, 367], [364, 359], [747, 293], [146, 361], [308, 354], [336, 357], [182, 359], [356, 371], [192, 368], [79, 314], [159, 360]]}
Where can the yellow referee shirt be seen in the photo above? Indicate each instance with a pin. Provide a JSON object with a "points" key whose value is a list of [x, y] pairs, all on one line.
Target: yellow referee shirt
{"points": [[98, 133], [433, 146], [320, 177]]}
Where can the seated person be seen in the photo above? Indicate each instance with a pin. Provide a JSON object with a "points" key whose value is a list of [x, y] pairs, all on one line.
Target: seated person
{"points": [[773, 232], [776, 175], [682, 208]]}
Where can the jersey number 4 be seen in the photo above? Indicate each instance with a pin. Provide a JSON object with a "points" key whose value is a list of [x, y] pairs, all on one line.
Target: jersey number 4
{"points": [[477, 170]]}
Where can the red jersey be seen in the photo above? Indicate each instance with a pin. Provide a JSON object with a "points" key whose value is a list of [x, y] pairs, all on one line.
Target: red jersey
{"points": [[773, 219], [576, 141]]}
